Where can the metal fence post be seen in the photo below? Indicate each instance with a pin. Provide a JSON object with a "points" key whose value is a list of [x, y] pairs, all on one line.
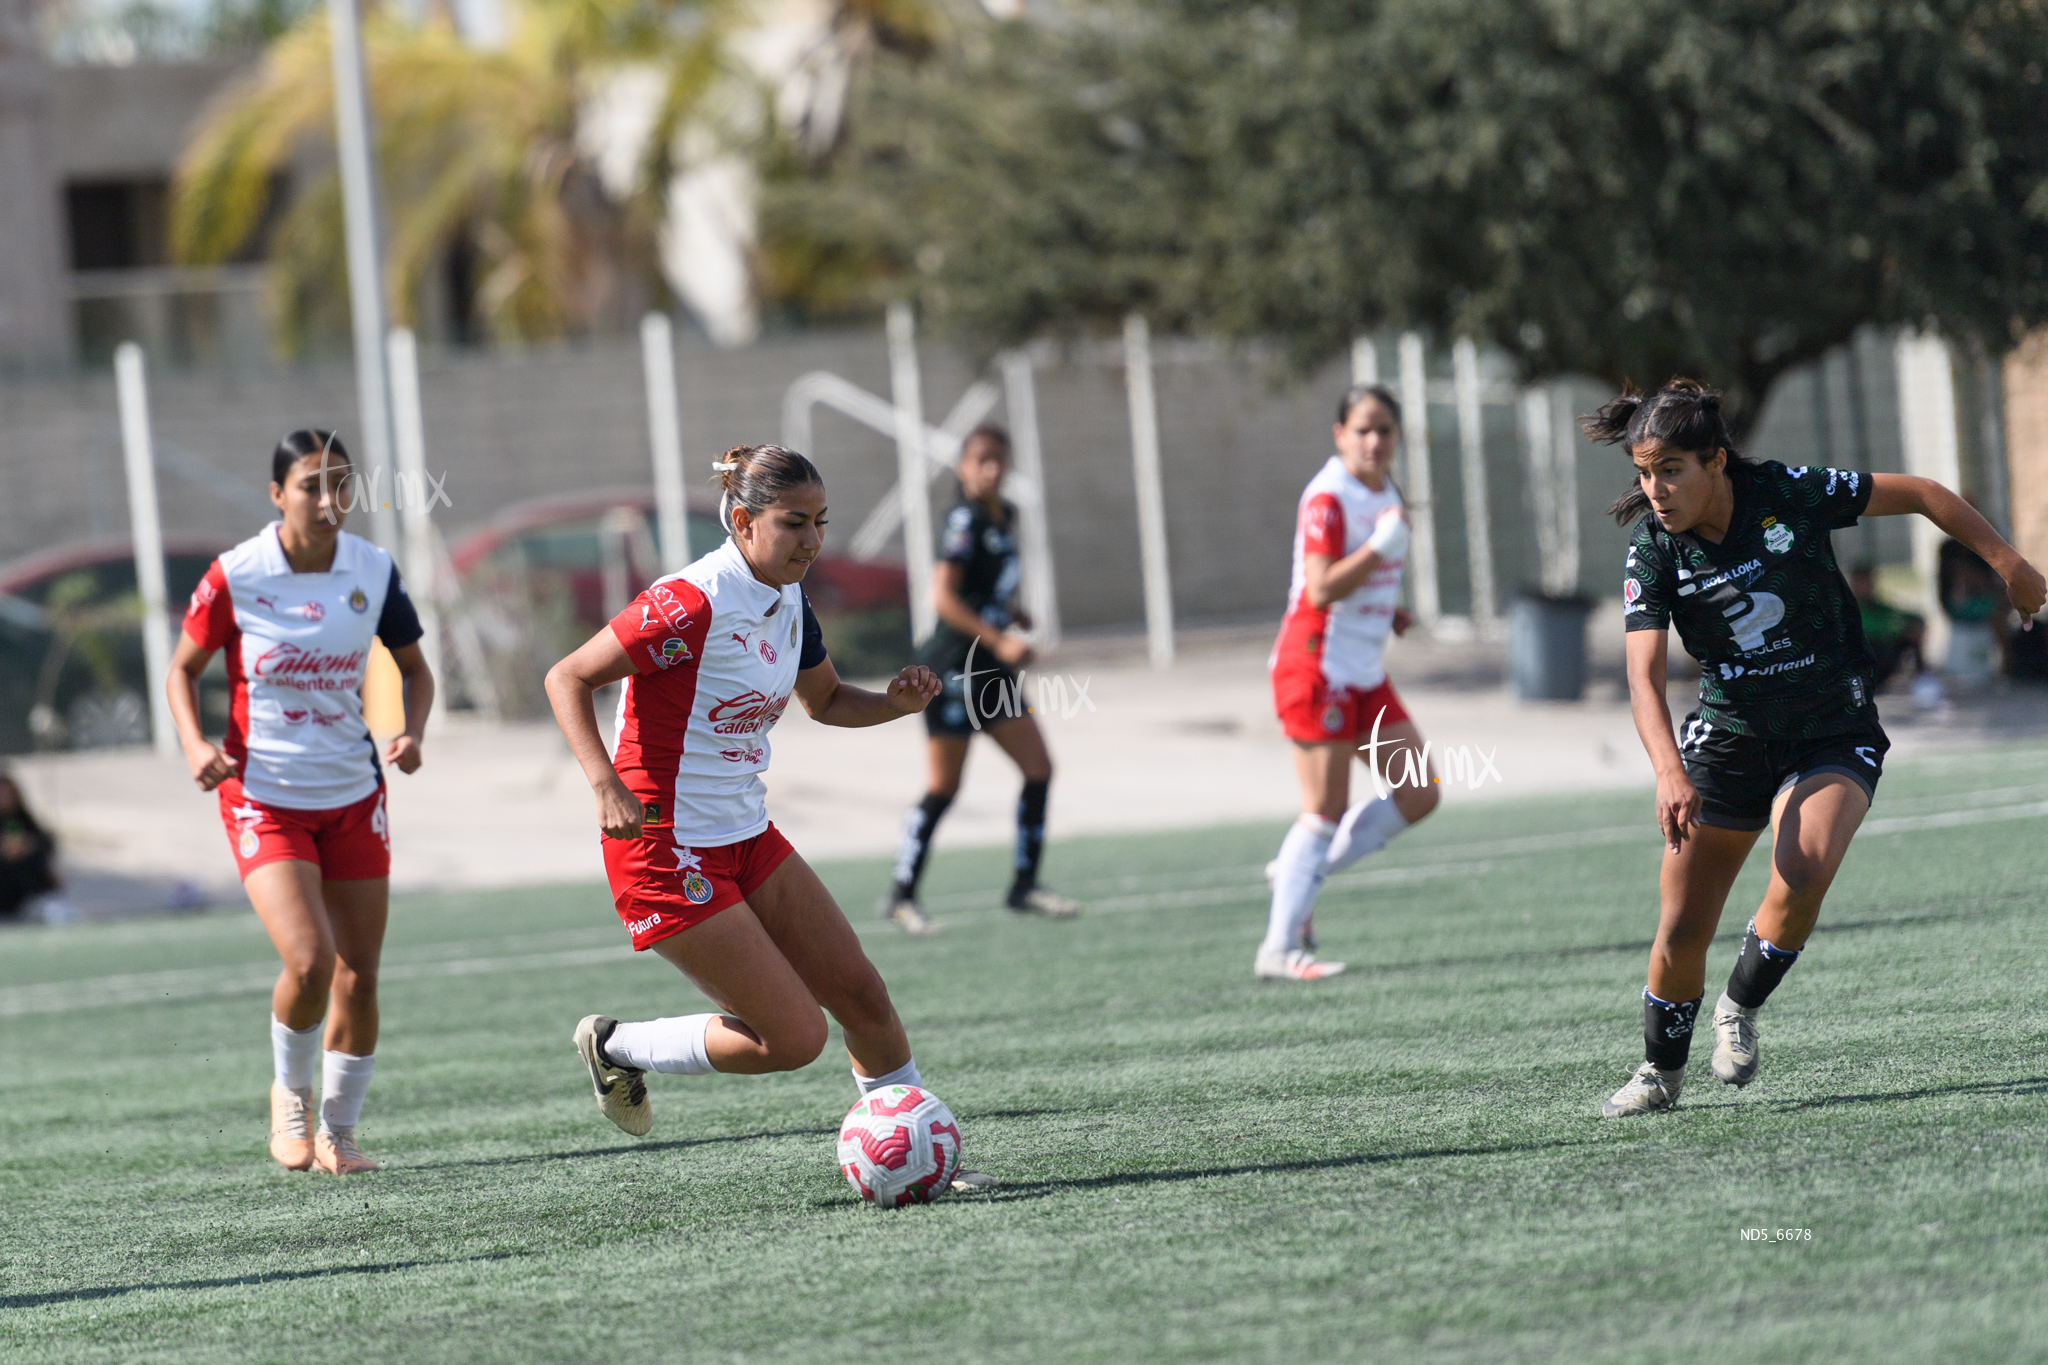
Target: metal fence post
{"points": [[665, 440], [905, 386], [1151, 499], [139, 454], [1421, 509]]}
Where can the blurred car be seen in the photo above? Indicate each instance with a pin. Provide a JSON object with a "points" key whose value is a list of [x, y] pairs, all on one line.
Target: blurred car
{"points": [[556, 569], [71, 663]]}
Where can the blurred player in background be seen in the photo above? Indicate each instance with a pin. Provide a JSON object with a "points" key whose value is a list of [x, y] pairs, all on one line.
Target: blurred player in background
{"points": [[700, 875], [974, 590], [301, 793], [1738, 555], [1330, 687]]}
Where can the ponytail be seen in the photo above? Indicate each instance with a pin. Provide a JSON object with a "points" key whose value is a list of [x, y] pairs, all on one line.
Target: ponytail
{"points": [[1683, 415], [756, 477]]}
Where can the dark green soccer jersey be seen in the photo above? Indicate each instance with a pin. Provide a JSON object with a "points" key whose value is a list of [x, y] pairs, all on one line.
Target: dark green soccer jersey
{"points": [[1766, 612]]}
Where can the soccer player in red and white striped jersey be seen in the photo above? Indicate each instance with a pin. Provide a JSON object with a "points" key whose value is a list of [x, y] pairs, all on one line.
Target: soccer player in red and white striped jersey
{"points": [[296, 607], [710, 657], [1330, 687]]}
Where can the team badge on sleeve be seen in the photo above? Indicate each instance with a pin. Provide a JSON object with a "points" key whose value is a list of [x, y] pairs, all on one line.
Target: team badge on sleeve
{"points": [[1631, 591], [673, 651]]}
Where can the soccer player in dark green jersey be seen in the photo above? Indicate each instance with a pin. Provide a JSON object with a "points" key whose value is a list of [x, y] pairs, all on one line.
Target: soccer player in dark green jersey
{"points": [[1786, 737]]}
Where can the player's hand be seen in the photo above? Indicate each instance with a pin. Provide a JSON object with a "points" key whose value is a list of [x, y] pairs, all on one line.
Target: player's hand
{"points": [[1404, 619], [619, 812], [913, 689], [210, 767], [1013, 650], [2029, 590], [1678, 809], [403, 754]]}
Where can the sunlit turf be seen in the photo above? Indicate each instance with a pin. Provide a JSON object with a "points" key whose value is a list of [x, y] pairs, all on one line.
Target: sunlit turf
{"points": [[1405, 1163]]}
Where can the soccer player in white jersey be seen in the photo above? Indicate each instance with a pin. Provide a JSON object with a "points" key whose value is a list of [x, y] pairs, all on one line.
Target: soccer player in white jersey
{"points": [[1329, 686], [301, 793], [700, 875]]}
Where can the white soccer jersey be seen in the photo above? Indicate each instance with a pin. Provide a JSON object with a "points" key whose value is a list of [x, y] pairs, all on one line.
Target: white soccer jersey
{"points": [[297, 645], [1346, 640], [715, 655]]}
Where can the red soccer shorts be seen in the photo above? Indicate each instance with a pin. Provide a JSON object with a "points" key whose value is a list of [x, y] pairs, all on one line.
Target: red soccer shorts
{"points": [[662, 889], [1313, 712], [347, 844]]}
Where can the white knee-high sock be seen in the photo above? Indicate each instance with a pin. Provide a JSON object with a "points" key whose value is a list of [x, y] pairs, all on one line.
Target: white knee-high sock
{"points": [[673, 1046], [292, 1053], [902, 1075], [344, 1080], [1296, 880], [1365, 828]]}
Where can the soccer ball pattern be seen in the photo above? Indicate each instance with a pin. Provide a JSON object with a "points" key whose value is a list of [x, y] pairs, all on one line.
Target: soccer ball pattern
{"points": [[899, 1145]]}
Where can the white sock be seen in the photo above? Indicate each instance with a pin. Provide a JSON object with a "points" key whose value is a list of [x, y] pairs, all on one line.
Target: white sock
{"points": [[1365, 828], [1297, 877], [673, 1046], [344, 1080], [902, 1075], [292, 1053]]}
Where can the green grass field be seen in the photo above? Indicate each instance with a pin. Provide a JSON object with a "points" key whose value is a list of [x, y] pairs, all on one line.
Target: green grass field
{"points": [[1403, 1164]]}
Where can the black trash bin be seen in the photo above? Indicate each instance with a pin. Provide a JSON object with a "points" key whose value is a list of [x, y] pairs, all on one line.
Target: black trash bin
{"points": [[1547, 647]]}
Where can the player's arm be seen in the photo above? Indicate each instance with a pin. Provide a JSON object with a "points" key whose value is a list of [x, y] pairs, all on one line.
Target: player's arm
{"points": [[1327, 577], [210, 767], [1895, 495], [954, 611], [571, 686], [829, 701], [416, 691], [1678, 801]]}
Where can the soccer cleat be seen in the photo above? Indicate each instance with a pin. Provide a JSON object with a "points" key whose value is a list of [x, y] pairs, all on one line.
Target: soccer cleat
{"points": [[621, 1090], [1736, 1057], [906, 914], [335, 1152], [972, 1182], [1039, 901], [1648, 1091], [291, 1127], [1293, 965]]}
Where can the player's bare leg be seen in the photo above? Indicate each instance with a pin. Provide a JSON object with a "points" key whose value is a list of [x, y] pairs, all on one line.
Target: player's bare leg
{"points": [[357, 912], [1693, 884], [1812, 826], [1020, 738], [286, 897]]}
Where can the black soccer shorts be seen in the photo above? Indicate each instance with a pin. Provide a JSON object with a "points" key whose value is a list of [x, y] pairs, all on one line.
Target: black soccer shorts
{"points": [[1739, 776]]}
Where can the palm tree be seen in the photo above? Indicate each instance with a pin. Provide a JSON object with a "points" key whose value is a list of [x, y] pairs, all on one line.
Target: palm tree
{"points": [[479, 153]]}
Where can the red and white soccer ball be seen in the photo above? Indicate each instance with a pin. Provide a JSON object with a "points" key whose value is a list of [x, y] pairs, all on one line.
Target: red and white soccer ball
{"points": [[899, 1145]]}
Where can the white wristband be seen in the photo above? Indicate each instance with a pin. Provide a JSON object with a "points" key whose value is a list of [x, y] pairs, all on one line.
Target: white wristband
{"points": [[1390, 537]]}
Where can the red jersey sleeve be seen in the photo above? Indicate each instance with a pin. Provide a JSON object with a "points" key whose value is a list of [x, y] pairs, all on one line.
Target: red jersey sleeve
{"points": [[664, 626], [1322, 526], [210, 618]]}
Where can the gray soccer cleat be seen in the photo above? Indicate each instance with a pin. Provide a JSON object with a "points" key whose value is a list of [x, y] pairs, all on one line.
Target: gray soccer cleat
{"points": [[906, 914], [621, 1090], [1648, 1091], [1736, 1055], [972, 1182], [1039, 901]]}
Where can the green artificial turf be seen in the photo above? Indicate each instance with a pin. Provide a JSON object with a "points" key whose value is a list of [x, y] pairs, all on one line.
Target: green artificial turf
{"points": [[1402, 1164]]}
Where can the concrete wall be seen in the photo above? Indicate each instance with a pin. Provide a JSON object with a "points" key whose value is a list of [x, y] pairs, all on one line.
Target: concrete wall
{"points": [[35, 327]]}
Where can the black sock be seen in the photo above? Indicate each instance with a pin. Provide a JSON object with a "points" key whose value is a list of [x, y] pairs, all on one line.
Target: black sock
{"points": [[1030, 836], [918, 828], [1667, 1030], [1758, 970]]}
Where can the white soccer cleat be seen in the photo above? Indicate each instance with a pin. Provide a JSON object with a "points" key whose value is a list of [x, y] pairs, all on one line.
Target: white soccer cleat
{"points": [[1647, 1092], [972, 1182], [621, 1090], [291, 1127], [1294, 965], [906, 914], [1051, 904], [1736, 1054]]}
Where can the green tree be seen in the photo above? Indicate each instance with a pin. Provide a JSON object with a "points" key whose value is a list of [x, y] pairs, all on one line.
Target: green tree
{"points": [[1630, 188]]}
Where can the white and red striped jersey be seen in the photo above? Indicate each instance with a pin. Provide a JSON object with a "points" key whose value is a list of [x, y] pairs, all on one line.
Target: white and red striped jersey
{"points": [[297, 645], [715, 656], [1346, 639]]}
